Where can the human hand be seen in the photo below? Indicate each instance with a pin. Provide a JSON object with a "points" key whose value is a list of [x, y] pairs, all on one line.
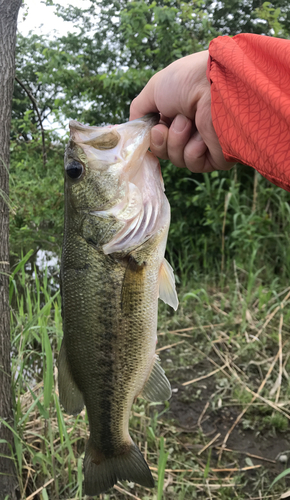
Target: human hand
{"points": [[185, 134]]}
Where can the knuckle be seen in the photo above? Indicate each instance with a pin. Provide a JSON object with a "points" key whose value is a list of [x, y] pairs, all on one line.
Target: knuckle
{"points": [[133, 105]]}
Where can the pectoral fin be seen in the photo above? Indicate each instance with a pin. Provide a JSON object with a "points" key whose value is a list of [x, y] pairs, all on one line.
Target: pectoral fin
{"points": [[167, 291], [157, 387], [70, 396]]}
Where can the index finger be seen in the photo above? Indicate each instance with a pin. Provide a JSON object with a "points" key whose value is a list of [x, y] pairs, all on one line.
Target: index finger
{"points": [[144, 103]]}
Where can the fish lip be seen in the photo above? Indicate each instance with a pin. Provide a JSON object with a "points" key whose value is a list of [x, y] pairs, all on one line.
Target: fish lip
{"points": [[78, 125], [151, 119]]}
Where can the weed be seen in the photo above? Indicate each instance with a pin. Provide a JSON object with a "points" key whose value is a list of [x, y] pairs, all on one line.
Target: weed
{"points": [[279, 422], [229, 360], [161, 468], [283, 474]]}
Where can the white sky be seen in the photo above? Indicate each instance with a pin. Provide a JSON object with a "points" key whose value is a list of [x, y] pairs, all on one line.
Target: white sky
{"points": [[37, 17], [41, 18]]}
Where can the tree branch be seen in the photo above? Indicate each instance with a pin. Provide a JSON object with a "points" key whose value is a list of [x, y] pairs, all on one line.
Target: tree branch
{"points": [[33, 100]]}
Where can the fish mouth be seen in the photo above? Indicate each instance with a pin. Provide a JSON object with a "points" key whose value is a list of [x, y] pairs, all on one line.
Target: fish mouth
{"points": [[136, 140], [151, 119], [125, 143]]}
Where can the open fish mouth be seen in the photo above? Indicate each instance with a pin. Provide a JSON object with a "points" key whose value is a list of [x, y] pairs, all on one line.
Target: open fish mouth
{"points": [[126, 143], [139, 202], [151, 118]]}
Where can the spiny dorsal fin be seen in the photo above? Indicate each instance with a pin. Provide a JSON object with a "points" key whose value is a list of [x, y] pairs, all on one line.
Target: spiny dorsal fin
{"points": [[167, 290], [157, 388]]}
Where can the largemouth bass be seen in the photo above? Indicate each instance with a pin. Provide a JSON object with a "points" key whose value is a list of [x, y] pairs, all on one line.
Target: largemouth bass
{"points": [[112, 272]]}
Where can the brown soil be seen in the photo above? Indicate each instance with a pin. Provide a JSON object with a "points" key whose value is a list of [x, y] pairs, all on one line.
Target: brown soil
{"points": [[185, 410]]}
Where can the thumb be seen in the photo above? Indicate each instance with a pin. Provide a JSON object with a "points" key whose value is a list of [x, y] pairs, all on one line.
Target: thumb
{"points": [[145, 102]]}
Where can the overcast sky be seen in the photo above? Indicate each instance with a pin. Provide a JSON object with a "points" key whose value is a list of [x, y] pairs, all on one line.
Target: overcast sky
{"points": [[42, 19]]}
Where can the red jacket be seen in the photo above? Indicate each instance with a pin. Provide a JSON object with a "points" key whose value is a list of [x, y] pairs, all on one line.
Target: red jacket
{"points": [[250, 89]]}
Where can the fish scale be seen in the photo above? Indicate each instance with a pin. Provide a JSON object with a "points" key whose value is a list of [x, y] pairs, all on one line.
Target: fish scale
{"points": [[110, 286]]}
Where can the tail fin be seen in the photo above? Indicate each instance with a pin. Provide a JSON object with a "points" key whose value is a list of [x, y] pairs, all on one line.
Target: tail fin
{"points": [[101, 473]]}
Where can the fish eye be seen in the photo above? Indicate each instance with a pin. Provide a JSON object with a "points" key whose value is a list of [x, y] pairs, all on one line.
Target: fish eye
{"points": [[74, 169]]}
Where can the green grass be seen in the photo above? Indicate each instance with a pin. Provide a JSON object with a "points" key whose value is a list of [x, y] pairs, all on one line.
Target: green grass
{"points": [[230, 336]]}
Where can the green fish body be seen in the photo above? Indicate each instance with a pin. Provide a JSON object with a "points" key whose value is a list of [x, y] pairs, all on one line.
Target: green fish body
{"points": [[112, 272]]}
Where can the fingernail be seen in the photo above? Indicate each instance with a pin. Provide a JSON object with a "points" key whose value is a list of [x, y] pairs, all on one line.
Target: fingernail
{"points": [[157, 138], [179, 123]]}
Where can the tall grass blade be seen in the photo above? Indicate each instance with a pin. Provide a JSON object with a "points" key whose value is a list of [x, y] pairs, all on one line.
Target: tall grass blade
{"points": [[62, 426], [80, 478], [20, 265], [32, 406], [161, 468], [19, 453], [207, 467], [44, 494], [285, 473], [48, 371]]}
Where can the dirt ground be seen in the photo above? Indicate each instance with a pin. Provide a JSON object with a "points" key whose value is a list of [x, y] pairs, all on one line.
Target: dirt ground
{"points": [[261, 451], [245, 442]]}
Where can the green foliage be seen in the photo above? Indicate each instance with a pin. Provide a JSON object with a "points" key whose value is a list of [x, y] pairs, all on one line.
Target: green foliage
{"points": [[163, 456], [240, 16], [272, 16], [49, 445], [283, 474], [92, 74], [36, 193], [115, 49], [277, 421], [209, 201]]}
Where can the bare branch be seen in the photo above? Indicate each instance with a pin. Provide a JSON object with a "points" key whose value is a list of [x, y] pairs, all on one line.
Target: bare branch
{"points": [[33, 100]]}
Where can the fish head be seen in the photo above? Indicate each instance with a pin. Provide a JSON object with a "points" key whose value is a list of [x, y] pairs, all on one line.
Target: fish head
{"points": [[110, 174], [99, 160]]}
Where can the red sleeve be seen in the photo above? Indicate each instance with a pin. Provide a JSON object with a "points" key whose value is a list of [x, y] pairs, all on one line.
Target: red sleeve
{"points": [[250, 89]]}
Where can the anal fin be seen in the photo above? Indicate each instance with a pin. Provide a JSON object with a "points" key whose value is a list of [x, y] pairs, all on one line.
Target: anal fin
{"points": [[157, 388], [167, 290], [70, 396]]}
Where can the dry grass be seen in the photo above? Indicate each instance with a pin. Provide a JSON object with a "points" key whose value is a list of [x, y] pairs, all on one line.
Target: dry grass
{"points": [[226, 354]]}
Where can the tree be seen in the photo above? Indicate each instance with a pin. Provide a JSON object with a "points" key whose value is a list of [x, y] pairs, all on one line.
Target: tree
{"points": [[91, 74], [8, 24], [231, 17]]}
